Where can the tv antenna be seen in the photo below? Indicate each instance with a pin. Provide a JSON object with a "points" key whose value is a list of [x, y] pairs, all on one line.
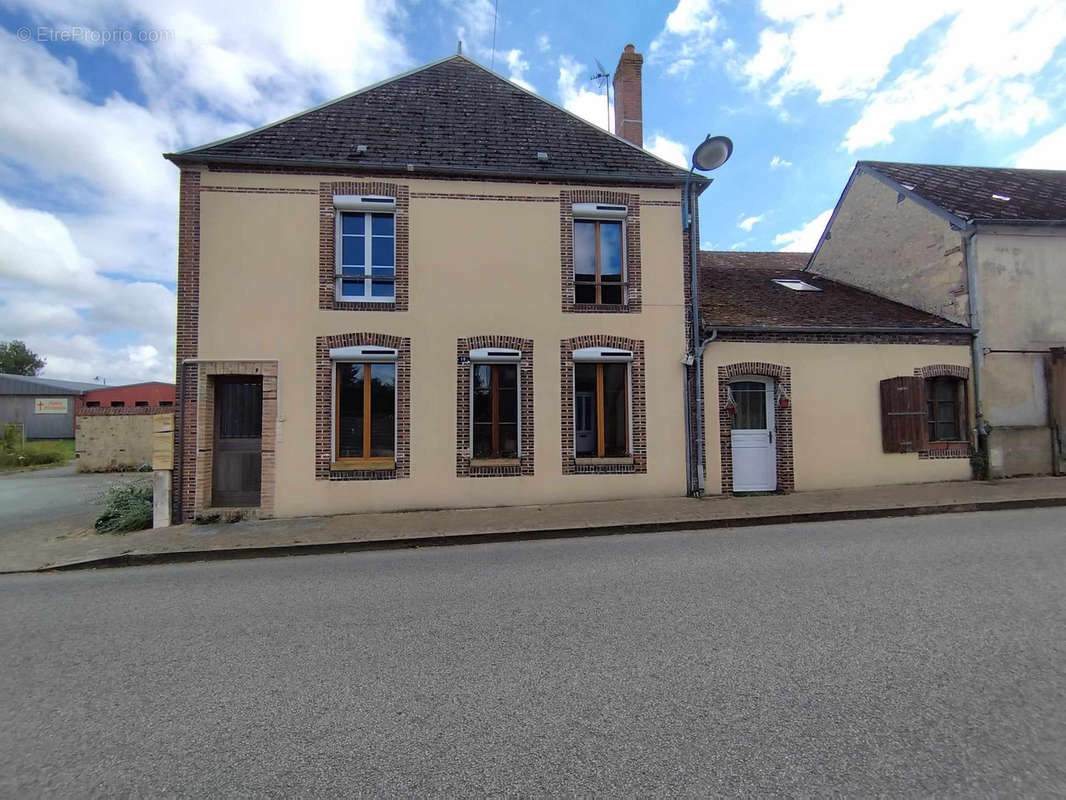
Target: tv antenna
{"points": [[603, 79]]}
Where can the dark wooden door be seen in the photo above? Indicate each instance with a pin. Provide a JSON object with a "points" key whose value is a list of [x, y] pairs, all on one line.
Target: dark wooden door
{"points": [[237, 468]]}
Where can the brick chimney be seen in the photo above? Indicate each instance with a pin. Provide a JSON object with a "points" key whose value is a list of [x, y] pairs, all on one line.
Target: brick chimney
{"points": [[628, 105]]}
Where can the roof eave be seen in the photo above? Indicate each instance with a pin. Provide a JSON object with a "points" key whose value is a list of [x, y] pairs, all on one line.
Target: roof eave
{"points": [[188, 159], [878, 329]]}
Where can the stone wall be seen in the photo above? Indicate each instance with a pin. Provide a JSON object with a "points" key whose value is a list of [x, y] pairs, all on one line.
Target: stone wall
{"points": [[113, 439]]}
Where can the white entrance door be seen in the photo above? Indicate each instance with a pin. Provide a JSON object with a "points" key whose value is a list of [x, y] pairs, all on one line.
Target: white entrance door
{"points": [[754, 449]]}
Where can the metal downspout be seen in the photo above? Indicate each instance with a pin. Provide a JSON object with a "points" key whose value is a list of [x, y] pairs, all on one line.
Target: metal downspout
{"points": [[700, 432], [976, 341]]}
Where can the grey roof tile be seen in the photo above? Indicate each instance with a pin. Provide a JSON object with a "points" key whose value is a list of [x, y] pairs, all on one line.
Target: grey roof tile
{"points": [[454, 116]]}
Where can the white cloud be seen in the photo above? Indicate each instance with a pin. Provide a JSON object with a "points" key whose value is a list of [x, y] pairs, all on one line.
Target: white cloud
{"points": [[518, 67], [55, 299], [805, 238], [576, 96], [668, 150], [544, 43], [688, 35], [952, 61], [748, 223], [777, 163], [1048, 152]]}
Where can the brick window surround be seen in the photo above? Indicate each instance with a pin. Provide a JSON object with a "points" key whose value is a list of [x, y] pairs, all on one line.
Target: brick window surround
{"points": [[567, 198], [202, 435], [786, 478], [524, 464], [324, 406], [327, 265], [637, 407], [946, 449]]}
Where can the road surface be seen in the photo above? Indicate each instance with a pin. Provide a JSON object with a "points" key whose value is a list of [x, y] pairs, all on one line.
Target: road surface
{"points": [[915, 657]]}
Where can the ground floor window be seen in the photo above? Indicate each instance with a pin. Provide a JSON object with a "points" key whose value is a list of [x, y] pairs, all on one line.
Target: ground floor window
{"points": [[601, 410], [365, 422], [945, 408], [495, 410]]}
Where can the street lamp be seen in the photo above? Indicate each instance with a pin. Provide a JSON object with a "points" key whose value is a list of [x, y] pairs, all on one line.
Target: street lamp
{"points": [[711, 154]]}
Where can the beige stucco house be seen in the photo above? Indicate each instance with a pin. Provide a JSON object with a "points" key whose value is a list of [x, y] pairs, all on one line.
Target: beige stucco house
{"points": [[440, 291], [985, 248], [813, 384], [444, 291]]}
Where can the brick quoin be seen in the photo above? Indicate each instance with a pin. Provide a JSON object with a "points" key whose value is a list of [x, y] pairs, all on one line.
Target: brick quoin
{"points": [[186, 344]]}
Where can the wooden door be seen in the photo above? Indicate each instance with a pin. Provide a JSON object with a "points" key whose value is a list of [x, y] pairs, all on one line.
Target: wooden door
{"points": [[238, 445]]}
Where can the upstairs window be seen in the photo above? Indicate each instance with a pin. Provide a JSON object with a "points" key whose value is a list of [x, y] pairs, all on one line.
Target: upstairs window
{"points": [[945, 408], [599, 254], [366, 248]]}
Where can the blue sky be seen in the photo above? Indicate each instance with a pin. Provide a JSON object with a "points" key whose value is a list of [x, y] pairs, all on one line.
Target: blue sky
{"points": [[95, 90]]}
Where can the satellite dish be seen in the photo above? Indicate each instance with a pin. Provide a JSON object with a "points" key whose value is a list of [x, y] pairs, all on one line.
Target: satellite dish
{"points": [[712, 153]]}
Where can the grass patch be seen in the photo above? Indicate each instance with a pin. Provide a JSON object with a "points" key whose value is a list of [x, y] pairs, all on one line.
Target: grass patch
{"points": [[127, 507], [14, 455]]}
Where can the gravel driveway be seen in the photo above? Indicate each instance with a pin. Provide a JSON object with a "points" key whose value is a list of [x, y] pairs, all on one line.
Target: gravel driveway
{"points": [[39, 506]]}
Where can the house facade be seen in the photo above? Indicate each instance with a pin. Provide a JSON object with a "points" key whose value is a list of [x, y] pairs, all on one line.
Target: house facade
{"points": [[813, 384], [487, 308], [985, 248]]}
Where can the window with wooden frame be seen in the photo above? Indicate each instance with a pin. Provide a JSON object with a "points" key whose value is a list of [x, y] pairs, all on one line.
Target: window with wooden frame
{"points": [[365, 248], [602, 403], [364, 408], [599, 254], [494, 399], [945, 406]]}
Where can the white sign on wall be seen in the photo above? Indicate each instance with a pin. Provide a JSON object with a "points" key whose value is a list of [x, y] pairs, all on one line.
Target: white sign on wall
{"points": [[51, 405]]}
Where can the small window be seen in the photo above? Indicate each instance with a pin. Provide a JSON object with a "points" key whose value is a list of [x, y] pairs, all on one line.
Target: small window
{"points": [[366, 249], [750, 400], [118, 404], [601, 410], [166, 402], [944, 406], [796, 285], [599, 254], [365, 411], [495, 410], [141, 404], [92, 403]]}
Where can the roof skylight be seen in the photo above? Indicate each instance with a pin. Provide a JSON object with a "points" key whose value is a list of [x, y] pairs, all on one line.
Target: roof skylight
{"points": [[1004, 198], [796, 285]]}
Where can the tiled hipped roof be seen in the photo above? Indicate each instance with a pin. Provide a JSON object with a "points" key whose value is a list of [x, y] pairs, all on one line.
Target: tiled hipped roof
{"points": [[983, 192], [453, 116], [742, 295]]}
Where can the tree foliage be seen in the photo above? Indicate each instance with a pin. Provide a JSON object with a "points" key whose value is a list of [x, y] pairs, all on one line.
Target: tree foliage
{"points": [[17, 359]]}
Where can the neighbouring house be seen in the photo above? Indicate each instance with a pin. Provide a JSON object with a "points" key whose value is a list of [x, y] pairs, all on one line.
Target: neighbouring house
{"points": [[813, 384], [133, 395], [44, 407], [440, 291], [985, 248]]}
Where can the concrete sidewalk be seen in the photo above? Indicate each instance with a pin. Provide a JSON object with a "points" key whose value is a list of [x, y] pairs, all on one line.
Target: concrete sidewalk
{"points": [[451, 526]]}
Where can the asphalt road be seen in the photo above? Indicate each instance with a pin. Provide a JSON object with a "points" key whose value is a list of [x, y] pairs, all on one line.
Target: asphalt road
{"points": [[904, 657]]}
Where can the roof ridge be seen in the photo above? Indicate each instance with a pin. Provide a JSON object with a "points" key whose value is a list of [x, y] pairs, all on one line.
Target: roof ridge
{"points": [[873, 164]]}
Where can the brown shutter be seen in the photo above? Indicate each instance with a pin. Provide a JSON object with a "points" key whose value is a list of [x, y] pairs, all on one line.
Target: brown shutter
{"points": [[904, 418]]}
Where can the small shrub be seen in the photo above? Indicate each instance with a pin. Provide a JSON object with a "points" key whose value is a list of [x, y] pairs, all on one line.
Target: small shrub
{"points": [[207, 519], [127, 507], [10, 439]]}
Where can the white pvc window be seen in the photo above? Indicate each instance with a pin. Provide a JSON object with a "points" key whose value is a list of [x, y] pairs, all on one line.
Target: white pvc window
{"points": [[365, 248]]}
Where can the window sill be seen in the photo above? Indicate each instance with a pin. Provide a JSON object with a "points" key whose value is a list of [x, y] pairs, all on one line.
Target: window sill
{"points": [[495, 462], [602, 308], [362, 464], [623, 460]]}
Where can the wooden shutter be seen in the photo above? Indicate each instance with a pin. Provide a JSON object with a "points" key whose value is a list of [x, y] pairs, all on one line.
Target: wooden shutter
{"points": [[904, 417]]}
